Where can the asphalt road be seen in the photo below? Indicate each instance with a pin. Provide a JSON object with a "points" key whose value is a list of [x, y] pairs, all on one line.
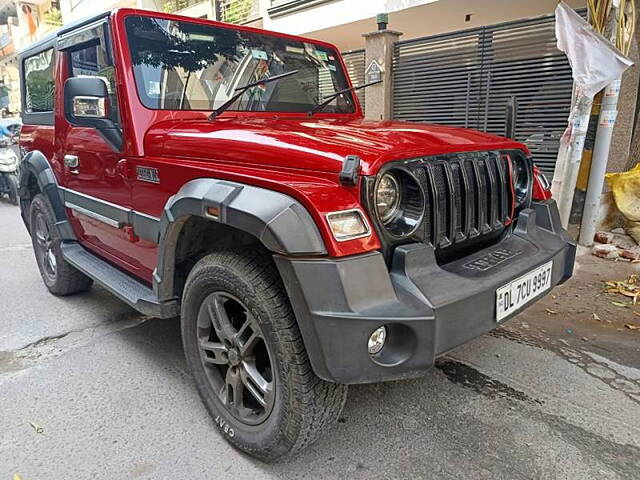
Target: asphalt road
{"points": [[89, 389]]}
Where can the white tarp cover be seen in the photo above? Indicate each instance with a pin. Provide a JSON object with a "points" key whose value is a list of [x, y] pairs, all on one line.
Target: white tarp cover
{"points": [[595, 62]]}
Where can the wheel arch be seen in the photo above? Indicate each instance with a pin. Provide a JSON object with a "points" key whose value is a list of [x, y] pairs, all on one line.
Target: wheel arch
{"points": [[230, 212], [37, 176]]}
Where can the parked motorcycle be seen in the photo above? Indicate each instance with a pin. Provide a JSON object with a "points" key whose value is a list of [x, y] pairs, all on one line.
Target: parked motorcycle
{"points": [[9, 169]]}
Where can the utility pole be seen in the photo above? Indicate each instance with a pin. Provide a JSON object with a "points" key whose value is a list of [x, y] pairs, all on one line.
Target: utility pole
{"points": [[585, 49], [618, 28]]}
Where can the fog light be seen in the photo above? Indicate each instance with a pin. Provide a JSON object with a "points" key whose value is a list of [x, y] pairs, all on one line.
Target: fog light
{"points": [[376, 340]]}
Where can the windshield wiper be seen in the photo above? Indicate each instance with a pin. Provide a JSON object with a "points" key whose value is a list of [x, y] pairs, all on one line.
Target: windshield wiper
{"points": [[244, 88], [331, 98]]}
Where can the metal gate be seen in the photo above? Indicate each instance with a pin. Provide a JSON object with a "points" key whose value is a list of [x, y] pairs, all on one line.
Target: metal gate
{"points": [[466, 78], [354, 60]]}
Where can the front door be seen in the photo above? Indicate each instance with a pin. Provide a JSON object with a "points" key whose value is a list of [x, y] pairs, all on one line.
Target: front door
{"points": [[98, 194]]}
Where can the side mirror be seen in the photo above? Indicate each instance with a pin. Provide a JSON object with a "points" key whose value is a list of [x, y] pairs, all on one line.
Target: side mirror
{"points": [[86, 101], [86, 104]]}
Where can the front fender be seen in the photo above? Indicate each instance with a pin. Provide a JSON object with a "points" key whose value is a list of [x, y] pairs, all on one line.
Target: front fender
{"points": [[280, 222]]}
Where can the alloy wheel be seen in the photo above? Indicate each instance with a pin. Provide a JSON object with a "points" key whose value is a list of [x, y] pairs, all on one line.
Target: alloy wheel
{"points": [[236, 358], [44, 244]]}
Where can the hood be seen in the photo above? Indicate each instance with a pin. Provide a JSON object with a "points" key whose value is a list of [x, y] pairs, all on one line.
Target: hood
{"points": [[312, 144]]}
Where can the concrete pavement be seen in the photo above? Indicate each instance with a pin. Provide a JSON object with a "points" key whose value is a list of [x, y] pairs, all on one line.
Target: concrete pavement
{"points": [[550, 395]]}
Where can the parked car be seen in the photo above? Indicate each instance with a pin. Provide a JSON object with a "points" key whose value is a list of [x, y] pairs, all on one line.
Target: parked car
{"points": [[226, 174]]}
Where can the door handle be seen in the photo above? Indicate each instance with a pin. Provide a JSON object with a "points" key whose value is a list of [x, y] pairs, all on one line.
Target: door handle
{"points": [[71, 161]]}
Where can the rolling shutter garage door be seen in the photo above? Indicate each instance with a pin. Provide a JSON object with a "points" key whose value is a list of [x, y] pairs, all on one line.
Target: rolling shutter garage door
{"points": [[354, 60], [466, 78]]}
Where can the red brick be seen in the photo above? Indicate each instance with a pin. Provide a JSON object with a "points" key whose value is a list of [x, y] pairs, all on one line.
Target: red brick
{"points": [[630, 254], [603, 237]]}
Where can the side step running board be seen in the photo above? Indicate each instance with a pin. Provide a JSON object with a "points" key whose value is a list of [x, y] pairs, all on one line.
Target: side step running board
{"points": [[128, 289]]}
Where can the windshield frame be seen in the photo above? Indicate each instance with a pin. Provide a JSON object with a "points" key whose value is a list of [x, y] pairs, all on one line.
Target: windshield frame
{"points": [[132, 81]]}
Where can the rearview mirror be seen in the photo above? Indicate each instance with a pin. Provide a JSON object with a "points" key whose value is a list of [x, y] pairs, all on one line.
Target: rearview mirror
{"points": [[86, 104]]}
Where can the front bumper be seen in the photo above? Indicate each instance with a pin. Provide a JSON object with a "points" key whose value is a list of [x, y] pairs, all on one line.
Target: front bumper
{"points": [[428, 309]]}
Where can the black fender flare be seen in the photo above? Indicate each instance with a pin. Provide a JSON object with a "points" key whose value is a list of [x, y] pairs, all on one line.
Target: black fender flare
{"points": [[277, 220], [36, 164]]}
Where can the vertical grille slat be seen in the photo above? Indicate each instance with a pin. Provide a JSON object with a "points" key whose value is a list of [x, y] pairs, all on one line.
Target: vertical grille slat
{"points": [[435, 206], [494, 194], [443, 204], [453, 199], [481, 197], [468, 195], [467, 200], [504, 179], [474, 204]]}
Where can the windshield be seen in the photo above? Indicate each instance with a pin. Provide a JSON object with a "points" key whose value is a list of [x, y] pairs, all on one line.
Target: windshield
{"points": [[182, 65]]}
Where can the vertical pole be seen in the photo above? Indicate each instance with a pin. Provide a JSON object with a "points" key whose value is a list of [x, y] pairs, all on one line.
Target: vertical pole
{"points": [[511, 118], [571, 165], [606, 122]]}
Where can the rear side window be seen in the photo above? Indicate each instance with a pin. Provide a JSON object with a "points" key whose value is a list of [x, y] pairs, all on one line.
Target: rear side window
{"points": [[39, 83]]}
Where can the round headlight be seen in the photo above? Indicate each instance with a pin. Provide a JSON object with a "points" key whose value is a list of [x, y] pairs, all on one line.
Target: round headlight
{"points": [[399, 202], [387, 197]]}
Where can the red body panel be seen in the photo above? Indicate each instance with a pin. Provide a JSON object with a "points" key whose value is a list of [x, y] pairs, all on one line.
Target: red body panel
{"points": [[290, 153], [539, 190]]}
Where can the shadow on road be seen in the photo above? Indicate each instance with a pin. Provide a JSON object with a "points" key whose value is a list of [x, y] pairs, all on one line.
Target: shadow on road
{"points": [[450, 422]]}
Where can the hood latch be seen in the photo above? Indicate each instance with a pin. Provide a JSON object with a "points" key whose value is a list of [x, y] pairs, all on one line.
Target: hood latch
{"points": [[350, 170]]}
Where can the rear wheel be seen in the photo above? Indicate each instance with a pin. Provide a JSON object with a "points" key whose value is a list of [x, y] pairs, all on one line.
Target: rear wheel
{"points": [[59, 276], [12, 183], [248, 360]]}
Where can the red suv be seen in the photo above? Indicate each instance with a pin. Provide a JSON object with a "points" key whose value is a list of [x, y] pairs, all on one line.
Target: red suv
{"points": [[225, 174]]}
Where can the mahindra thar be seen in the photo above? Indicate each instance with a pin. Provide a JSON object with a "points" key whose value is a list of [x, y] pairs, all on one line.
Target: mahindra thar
{"points": [[226, 175]]}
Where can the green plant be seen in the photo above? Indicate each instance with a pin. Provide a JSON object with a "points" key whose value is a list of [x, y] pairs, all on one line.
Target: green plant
{"points": [[53, 17], [171, 6], [236, 11]]}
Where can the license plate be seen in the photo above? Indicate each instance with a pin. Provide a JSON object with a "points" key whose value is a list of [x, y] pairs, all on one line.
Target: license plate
{"points": [[515, 294]]}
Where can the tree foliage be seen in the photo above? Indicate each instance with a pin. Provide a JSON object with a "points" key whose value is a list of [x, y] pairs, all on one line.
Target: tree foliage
{"points": [[185, 45]]}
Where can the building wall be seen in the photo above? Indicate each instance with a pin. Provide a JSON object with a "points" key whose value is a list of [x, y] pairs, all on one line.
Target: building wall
{"points": [[344, 21], [333, 13], [73, 10], [201, 10], [21, 33]]}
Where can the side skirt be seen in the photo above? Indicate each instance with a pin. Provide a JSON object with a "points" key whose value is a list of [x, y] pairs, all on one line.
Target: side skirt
{"points": [[126, 288]]}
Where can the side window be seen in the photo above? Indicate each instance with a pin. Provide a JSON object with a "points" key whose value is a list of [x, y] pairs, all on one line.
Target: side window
{"points": [[39, 83], [93, 61]]}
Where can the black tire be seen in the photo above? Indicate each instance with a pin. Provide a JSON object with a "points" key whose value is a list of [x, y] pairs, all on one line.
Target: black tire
{"points": [[12, 182], [59, 276], [299, 405]]}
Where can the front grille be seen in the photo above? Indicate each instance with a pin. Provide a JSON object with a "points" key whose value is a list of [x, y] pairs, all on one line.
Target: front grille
{"points": [[468, 195]]}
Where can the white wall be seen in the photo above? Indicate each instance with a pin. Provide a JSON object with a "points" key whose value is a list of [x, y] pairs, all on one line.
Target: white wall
{"points": [[334, 13], [88, 8], [344, 21]]}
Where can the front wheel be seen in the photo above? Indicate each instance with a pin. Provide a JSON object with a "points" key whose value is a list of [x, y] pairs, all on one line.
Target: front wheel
{"points": [[248, 360]]}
